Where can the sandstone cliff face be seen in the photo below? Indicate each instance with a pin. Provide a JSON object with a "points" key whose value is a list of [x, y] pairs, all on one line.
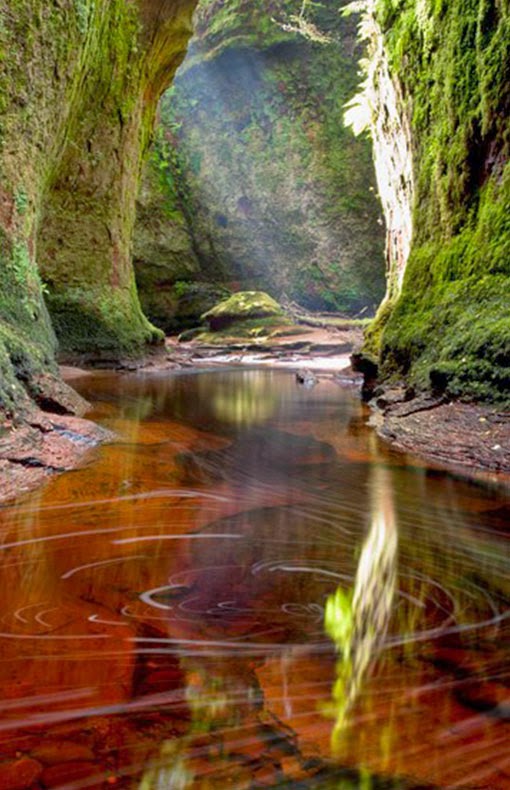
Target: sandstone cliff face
{"points": [[263, 185], [445, 323], [79, 84]]}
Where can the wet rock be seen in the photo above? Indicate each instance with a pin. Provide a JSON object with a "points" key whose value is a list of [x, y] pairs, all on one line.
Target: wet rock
{"points": [[330, 348], [19, 774], [389, 397], [307, 378], [46, 445], [368, 366], [462, 434], [53, 395], [261, 454]]}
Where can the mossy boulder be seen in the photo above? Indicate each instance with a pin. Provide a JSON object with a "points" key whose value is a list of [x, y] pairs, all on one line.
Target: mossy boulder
{"points": [[245, 306]]}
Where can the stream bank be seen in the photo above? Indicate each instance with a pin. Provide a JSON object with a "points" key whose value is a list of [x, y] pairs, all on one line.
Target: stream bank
{"points": [[45, 445], [470, 436]]}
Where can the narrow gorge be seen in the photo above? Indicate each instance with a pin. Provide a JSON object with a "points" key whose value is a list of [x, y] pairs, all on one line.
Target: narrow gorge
{"points": [[253, 179], [254, 394]]}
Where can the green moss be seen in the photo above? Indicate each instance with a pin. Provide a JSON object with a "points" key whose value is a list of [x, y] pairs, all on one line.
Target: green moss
{"points": [[243, 306], [250, 329], [83, 12], [79, 83], [99, 322], [84, 244], [27, 341], [449, 329], [21, 201]]}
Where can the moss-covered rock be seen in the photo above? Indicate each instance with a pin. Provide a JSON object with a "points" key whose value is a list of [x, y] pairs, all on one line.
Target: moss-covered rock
{"points": [[250, 306], [79, 84], [254, 170], [446, 324], [89, 212]]}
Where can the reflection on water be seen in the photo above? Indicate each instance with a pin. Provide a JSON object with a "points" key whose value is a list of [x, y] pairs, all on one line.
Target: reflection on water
{"points": [[358, 620], [252, 403], [164, 607]]}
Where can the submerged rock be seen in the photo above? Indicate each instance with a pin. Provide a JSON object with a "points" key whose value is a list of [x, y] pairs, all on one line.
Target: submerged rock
{"points": [[262, 455], [306, 378], [19, 774]]}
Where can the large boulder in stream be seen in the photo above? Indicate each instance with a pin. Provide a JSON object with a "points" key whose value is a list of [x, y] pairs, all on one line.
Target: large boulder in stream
{"points": [[256, 309]]}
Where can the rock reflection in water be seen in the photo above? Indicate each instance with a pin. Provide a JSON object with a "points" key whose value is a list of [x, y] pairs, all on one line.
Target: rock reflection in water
{"points": [[163, 608]]}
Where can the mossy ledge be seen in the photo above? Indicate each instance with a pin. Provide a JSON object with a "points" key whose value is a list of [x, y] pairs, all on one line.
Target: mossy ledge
{"points": [[447, 327], [79, 85]]}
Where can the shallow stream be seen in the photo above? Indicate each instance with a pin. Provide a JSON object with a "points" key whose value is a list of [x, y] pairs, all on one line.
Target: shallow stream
{"points": [[163, 608]]}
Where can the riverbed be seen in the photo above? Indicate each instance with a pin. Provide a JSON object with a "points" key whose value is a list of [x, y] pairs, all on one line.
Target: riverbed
{"points": [[164, 606]]}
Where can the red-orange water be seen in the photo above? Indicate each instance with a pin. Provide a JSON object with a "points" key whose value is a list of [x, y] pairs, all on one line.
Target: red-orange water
{"points": [[162, 608]]}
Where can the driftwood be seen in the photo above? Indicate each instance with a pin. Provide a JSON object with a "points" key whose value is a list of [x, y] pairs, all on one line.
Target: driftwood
{"points": [[323, 320]]}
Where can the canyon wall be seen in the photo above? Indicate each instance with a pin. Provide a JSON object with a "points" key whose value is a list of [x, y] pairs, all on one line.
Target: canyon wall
{"points": [[79, 85], [255, 183], [442, 122]]}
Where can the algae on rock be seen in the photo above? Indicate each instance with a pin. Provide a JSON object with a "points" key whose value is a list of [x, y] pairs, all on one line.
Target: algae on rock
{"points": [[247, 314], [242, 306]]}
